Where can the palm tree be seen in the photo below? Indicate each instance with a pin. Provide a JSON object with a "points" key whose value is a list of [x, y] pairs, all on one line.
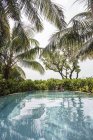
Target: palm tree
{"points": [[34, 11], [84, 26], [80, 33], [17, 50]]}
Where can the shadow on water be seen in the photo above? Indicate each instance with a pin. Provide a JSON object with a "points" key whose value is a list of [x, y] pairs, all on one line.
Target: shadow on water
{"points": [[45, 117]]}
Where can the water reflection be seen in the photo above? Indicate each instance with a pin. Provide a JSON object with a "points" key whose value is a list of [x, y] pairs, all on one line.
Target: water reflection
{"points": [[49, 117]]}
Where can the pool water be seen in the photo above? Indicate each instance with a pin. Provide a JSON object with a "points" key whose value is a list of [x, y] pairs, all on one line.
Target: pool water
{"points": [[46, 116]]}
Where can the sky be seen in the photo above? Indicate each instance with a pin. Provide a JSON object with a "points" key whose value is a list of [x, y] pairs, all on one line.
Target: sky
{"points": [[70, 9]]}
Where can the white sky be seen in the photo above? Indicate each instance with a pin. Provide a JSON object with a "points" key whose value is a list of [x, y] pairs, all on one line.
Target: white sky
{"points": [[70, 10]]}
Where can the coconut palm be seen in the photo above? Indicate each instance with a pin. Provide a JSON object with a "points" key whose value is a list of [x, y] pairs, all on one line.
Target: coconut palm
{"points": [[34, 10], [84, 27], [79, 32], [83, 24], [18, 50]]}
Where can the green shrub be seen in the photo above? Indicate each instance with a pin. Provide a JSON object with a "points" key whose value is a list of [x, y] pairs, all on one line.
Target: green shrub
{"points": [[13, 86], [27, 85], [53, 84]]}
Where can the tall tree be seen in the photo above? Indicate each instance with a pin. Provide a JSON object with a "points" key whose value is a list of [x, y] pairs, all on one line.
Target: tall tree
{"points": [[19, 49], [83, 23], [60, 62]]}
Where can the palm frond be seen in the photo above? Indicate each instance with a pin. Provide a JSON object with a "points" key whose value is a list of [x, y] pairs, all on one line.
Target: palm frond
{"points": [[12, 9], [34, 10], [52, 12], [34, 42], [4, 27], [22, 73], [32, 13], [34, 65], [66, 37], [87, 47], [22, 41], [90, 5], [83, 15], [29, 54]]}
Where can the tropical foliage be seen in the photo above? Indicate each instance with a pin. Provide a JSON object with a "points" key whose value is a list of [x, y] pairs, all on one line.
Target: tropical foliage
{"points": [[18, 49], [83, 23], [15, 46], [62, 61], [34, 10], [69, 45], [13, 86], [79, 32]]}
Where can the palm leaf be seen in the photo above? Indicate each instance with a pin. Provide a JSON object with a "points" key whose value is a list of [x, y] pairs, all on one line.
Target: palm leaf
{"points": [[34, 65], [85, 15], [34, 42], [20, 39], [4, 28], [87, 47], [32, 13], [29, 54], [12, 8], [52, 12], [22, 73], [66, 37], [34, 10]]}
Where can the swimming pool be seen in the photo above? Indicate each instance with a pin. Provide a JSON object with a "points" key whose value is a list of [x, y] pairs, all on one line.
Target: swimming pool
{"points": [[46, 116]]}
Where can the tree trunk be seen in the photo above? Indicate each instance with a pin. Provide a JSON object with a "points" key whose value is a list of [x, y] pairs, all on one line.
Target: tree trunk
{"points": [[6, 72], [66, 74], [70, 76], [77, 75], [62, 76]]}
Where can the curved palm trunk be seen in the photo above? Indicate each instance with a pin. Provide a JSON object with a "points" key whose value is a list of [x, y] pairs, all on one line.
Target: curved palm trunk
{"points": [[66, 74], [73, 69], [71, 73], [6, 72], [61, 75], [77, 75]]}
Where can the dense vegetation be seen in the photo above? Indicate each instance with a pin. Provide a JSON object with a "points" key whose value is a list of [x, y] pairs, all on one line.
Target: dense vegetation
{"points": [[16, 44], [62, 61], [13, 86], [19, 50], [67, 47]]}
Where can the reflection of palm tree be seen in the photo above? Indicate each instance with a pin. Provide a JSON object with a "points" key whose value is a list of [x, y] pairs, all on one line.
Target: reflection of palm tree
{"points": [[7, 106], [9, 103], [22, 128], [66, 122]]}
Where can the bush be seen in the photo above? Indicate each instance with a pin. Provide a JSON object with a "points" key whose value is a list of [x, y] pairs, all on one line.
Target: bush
{"points": [[40, 85], [53, 84], [27, 85], [13, 86]]}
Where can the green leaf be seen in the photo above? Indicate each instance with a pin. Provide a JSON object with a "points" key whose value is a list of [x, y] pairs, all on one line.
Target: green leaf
{"points": [[34, 65]]}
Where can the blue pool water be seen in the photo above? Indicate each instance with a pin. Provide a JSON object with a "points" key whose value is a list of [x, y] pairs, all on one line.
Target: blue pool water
{"points": [[46, 116]]}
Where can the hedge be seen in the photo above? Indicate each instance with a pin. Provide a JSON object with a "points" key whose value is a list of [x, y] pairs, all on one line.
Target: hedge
{"points": [[12, 86]]}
